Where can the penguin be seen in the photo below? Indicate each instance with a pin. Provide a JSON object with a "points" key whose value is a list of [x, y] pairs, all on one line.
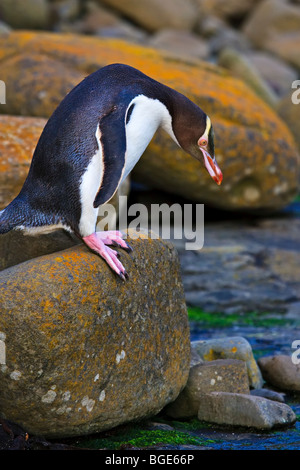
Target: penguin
{"points": [[91, 143]]}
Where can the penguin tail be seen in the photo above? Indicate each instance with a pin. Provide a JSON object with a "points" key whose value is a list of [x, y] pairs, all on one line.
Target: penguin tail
{"points": [[10, 217]]}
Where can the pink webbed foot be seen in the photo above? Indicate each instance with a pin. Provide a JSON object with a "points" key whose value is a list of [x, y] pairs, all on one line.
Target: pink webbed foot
{"points": [[98, 242]]}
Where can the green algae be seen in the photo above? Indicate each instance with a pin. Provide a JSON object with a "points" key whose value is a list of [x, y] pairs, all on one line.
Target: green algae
{"points": [[221, 320], [136, 436]]}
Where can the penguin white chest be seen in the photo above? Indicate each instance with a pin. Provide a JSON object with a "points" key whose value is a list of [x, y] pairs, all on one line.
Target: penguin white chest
{"points": [[89, 186], [146, 116]]}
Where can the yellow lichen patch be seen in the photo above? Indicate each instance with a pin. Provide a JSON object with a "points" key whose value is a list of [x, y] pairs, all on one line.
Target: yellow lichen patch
{"points": [[18, 138]]}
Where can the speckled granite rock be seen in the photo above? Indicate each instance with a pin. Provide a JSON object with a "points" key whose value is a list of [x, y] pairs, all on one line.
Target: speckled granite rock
{"points": [[222, 375], [235, 347], [84, 351]]}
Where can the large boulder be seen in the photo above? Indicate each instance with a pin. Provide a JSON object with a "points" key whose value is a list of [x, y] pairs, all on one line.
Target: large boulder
{"points": [[80, 350], [254, 148]]}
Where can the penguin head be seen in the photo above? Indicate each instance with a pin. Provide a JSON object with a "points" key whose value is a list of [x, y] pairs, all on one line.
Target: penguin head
{"points": [[194, 133]]}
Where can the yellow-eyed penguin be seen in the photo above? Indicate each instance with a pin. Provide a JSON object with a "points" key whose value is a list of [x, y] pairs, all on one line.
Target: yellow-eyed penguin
{"points": [[91, 143]]}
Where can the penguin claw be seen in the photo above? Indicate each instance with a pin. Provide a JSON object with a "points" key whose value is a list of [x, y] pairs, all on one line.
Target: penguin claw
{"points": [[98, 244], [123, 276], [128, 249]]}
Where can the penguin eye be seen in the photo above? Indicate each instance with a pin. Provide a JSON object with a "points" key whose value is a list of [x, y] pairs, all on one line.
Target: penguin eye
{"points": [[202, 142]]}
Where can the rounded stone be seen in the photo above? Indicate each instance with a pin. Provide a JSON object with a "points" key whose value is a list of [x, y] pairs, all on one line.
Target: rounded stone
{"points": [[281, 372], [84, 351]]}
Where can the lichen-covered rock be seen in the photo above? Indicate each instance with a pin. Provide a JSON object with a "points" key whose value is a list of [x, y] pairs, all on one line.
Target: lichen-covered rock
{"points": [[32, 93], [83, 351], [18, 138], [235, 347], [16, 247], [254, 148]]}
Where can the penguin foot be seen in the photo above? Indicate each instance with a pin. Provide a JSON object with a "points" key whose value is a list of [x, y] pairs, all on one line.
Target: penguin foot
{"points": [[98, 242]]}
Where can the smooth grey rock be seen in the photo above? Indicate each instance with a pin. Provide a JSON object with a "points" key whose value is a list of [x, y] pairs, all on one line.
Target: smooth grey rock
{"points": [[270, 394], [244, 410], [281, 372]]}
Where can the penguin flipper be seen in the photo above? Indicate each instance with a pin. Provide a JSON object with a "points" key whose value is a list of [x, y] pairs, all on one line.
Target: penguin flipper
{"points": [[113, 140]]}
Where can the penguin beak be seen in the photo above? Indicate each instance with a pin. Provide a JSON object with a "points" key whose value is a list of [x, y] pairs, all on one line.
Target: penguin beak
{"points": [[212, 166]]}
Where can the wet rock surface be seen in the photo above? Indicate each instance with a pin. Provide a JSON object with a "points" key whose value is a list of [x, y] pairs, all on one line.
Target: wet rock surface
{"points": [[245, 266]]}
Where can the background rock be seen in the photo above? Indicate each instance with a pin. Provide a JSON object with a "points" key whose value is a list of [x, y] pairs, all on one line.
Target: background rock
{"points": [[280, 372], [231, 9], [277, 74], [154, 14], [246, 265], [243, 69], [86, 352], [275, 27], [178, 42], [26, 15], [270, 394]]}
